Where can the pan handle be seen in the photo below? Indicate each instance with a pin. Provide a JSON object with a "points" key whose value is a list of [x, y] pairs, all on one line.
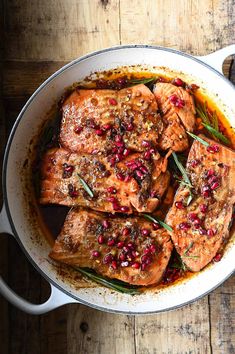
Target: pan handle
{"points": [[217, 58], [57, 298]]}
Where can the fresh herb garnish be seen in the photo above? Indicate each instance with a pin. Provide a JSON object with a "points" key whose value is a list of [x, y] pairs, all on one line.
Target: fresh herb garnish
{"points": [[114, 284], [198, 139], [217, 134], [86, 187], [182, 170], [176, 261], [210, 122], [185, 255], [156, 220], [144, 81]]}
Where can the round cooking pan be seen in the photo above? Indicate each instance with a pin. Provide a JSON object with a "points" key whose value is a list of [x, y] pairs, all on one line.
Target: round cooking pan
{"points": [[18, 220]]}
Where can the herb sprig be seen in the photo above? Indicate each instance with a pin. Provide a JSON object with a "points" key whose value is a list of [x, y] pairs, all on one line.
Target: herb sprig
{"points": [[195, 137], [85, 186], [114, 284], [144, 81], [156, 220], [185, 255]]}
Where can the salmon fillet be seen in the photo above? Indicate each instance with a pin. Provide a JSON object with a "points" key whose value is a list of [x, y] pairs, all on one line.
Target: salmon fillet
{"points": [[128, 249], [200, 229], [133, 184], [93, 119], [178, 114]]}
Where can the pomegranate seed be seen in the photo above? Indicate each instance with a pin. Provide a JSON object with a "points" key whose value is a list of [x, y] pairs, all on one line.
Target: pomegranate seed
{"points": [[192, 216], [101, 239], [173, 99], [143, 266], [106, 126], [95, 254], [114, 265], [116, 206], [143, 169], [105, 224], [147, 250], [178, 82], [99, 132], [111, 241], [95, 151], [78, 130], [131, 245], [153, 248], [129, 127], [146, 259], [145, 232], [111, 190], [179, 205], [111, 199], [67, 170], [122, 257], [112, 161], [127, 178], [139, 174], [206, 191], [147, 155], [194, 163], [203, 208], [184, 226], [126, 231], [210, 232], [118, 138], [180, 103], [197, 221], [153, 194], [124, 209], [156, 226], [125, 264], [176, 101], [108, 258], [119, 143], [112, 101], [210, 173], [120, 244], [73, 193], [120, 176], [146, 143], [212, 180], [136, 265], [126, 152], [217, 257], [215, 185], [202, 231], [213, 148]]}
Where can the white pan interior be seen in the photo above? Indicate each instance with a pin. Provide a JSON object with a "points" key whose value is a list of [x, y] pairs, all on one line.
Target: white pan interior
{"points": [[26, 127]]}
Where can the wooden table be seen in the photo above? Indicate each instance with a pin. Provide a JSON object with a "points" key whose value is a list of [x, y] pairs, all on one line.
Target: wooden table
{"points": [[39, 37]]}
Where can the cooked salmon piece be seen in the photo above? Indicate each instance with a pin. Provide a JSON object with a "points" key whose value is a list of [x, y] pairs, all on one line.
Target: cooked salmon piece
{"points": [[178, 114], [128, 249], [99, 120], [200, 229], [134, 184]]}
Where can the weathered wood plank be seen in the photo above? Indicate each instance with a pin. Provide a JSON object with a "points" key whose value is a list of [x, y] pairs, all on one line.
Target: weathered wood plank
{"points": [[59, 30], [94, 332], [194, 26]]}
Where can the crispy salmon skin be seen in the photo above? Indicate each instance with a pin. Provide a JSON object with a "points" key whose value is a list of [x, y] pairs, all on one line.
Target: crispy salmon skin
{"points": [[133, 184], [128, 249], [92, 119], [200, 229]]}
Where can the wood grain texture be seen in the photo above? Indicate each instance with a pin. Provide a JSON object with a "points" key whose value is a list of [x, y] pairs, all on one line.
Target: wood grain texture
{"points": [[40, 36]]}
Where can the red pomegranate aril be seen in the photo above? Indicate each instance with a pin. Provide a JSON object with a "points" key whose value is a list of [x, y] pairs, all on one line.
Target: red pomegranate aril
{"points": [[146, 143], [108, 258], [118, 138], [143, 169], [145, 232], [212, 179], [105, 224], [147, 155], [94, 151], [126, 152], [131, 246], [99, 132], [101, 239], [112, 101], [213, 148], [153, 248], [119, 143], [215, 185], [202, 231], [178, 82], [126, 231], [210, 173], [111, 199], [125, 264], [111, 190], [156, 226], [210, 232], [173, 99], [179, 205], [111, 242], [147, 250], [95, 254], [139, 174], [114, 265], [73, 193], [197, 221], [124, 209], [112, 161], [206, 192], [146, 259], [125, 249], [192, 216], [116, 206], [122, 257], [217, 257], [107, 126], [120, 176], [120, 244], [118, 157], [153, 194], [136, 265], [127, 178], [180, 103], [143, 266], [184, 226], [78, 129], [203, 208], [129, 127], [194, 163]]}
